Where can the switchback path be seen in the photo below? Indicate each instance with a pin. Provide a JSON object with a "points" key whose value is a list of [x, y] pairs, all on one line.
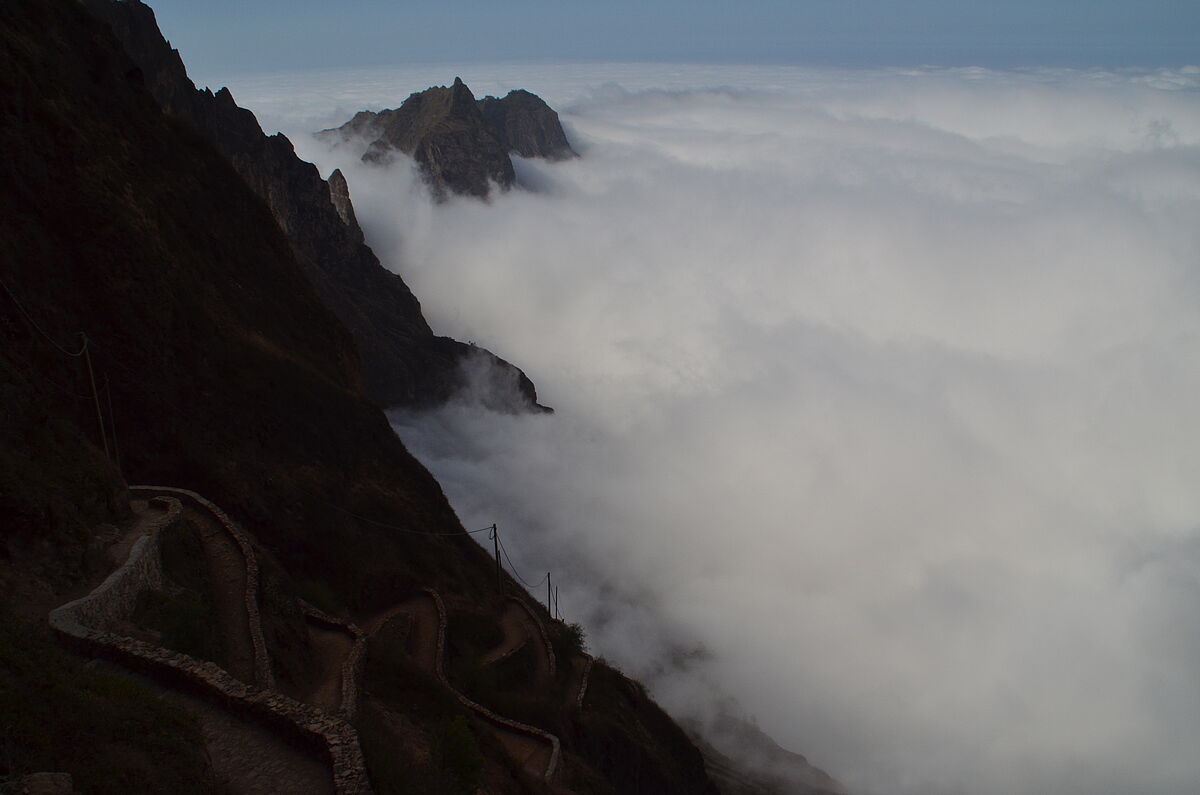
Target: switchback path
{"points": [[246, 757], [426, 639]]}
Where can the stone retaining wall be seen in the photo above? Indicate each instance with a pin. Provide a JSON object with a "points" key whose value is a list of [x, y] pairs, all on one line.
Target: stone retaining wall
{"points": [[80, 622], [583, 680], [115, 598], [262, 661], [537, 622], [479, 709], [352, 665]]}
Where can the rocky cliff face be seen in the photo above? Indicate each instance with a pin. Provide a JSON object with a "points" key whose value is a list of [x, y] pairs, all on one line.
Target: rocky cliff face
{"points": [[339, 194], [442, 129], [403, 362], [462, 145], [525, 125]]}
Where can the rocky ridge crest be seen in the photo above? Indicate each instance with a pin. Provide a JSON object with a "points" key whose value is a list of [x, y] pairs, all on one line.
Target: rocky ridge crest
{"points": [[404, 364], [461, 144]]}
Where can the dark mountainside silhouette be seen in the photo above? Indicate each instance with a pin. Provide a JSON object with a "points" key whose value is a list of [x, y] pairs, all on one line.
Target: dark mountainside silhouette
{"points": [[404, 363], [161, 223], [461, 145]]}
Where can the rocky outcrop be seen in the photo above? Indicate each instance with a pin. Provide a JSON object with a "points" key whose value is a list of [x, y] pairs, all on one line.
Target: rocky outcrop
{"points": [[339, 194], [461, 145], [443, 130], [525, 125], [404, 363]]}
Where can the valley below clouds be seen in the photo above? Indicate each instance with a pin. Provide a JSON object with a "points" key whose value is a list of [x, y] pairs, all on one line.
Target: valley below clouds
{"points": [[877, 398]]}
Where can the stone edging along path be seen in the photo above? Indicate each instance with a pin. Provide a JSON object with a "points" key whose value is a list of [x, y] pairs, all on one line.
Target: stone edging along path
{"points": [[537, 622], [84, 623], [262, 661], [479, 709], [583, 679], [352, 665]]}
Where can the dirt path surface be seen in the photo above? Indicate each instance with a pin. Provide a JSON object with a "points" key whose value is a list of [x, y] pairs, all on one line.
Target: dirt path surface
{"points": [[330, 648], [423, 637], [531, 753], [227, 569], [514, 623], [519, 630], [248, 758]]}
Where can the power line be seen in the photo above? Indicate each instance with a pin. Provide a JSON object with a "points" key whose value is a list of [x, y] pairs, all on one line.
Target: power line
{"points": [[39, 329], [398, 527], [514, 569]]}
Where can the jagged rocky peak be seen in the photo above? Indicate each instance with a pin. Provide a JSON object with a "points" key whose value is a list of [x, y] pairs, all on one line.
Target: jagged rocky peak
{"points": [[339, 194], [526, 125], [442, 129], [462, 145]]}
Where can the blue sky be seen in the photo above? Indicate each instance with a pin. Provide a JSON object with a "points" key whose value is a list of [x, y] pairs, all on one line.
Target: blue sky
{"points": [[224, 36]]}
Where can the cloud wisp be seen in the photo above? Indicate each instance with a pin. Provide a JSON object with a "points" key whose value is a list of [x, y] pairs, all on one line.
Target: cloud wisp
{"points": [[876, 405]]}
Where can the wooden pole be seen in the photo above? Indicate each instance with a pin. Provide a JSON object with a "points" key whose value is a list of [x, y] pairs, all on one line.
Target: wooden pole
{"points": [[496, 544]]}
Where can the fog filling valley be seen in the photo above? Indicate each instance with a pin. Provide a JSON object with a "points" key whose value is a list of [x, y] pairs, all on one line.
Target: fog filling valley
{"points": [[877, 398]]}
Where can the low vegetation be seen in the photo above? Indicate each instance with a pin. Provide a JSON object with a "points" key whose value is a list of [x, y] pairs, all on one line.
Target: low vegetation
{"points": [[108, 731]]}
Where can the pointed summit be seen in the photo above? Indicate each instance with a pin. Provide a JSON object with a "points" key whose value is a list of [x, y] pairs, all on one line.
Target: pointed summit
{"points": [[443, 130], [461, 144]]}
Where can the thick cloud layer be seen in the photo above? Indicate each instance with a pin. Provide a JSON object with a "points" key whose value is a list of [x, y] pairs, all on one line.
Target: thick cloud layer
{"points": [[877, 402]]}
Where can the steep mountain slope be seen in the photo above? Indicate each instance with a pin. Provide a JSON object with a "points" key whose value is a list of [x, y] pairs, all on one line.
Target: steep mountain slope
{"points": [[212, 362], [403, 362]]}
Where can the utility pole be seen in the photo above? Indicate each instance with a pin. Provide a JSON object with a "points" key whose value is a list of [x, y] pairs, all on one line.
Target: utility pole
{"points": [[548, 609], [495, 535], [556, 613]]}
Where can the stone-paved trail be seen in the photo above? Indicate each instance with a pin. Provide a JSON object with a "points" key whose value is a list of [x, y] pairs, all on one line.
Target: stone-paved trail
{"points": [[423, 635], [519, 630], [227, 569], [532, 754], [246, 757], [330, 648]]}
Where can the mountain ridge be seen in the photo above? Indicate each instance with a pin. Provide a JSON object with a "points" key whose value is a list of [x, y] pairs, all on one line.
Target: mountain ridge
{"points": [[404, 363], [461, 145]]}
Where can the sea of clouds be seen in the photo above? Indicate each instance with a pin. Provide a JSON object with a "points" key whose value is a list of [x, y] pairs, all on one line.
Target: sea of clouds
{"points": [[877, 398]]}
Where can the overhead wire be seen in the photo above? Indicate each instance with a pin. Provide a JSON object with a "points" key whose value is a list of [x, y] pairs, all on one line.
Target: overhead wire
{"points": [[42, 331], [397, 527], [516, 573]]}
